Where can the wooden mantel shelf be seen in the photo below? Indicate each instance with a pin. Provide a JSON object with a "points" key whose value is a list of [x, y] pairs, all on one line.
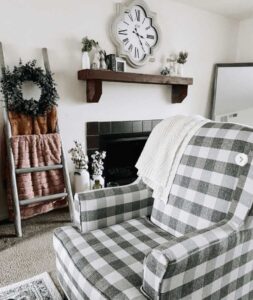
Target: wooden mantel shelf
{"points": [[95, 78]]}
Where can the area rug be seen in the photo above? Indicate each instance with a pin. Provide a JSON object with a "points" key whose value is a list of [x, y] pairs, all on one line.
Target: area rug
{"points": [[40, 287]]}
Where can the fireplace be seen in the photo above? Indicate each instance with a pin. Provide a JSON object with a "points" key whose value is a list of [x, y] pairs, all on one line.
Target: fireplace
{"points": [[123, 143]]}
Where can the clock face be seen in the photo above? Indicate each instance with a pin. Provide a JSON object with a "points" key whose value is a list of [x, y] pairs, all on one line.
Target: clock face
{"points": [[136, 34]]}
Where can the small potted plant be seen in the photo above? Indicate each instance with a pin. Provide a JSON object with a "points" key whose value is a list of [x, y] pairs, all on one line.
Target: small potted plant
{"points": [[181, 60], [81, 174], [87, 46], [97, 166]]}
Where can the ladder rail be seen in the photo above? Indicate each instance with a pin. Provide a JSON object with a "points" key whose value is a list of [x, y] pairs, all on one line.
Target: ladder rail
{"points": [[64, 163], [39, 169], [13, 177], [46, 60], [68, 185], [8, 136], [42, 199]]}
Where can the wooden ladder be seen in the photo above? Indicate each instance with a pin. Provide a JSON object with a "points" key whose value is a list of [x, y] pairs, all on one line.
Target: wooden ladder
{"points": [[14, 171]]}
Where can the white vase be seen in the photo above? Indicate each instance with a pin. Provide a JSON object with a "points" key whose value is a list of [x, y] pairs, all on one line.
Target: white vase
{"points": [[81, 180], [180, 69], [100, 178], [85, 60]]}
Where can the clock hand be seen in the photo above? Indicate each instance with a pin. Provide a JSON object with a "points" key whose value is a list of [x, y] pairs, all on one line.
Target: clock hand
{"points": [[141, 44], [138, 33], [135, 28], [139, 40]]}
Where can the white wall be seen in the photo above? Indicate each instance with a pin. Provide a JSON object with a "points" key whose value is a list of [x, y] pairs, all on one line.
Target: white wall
{"points": [[245, 41], [28, 25]]}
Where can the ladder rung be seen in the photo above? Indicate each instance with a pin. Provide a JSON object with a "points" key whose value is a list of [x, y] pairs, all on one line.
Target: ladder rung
{"points": [[42, 199], [38, 169]]}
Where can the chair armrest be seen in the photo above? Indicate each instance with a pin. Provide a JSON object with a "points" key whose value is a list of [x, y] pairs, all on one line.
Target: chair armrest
{"points": [[181, 266], [101, 208]]}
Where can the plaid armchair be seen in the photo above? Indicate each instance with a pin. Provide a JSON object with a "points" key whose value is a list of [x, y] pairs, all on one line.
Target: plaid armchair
{"points": [[197, 246]]}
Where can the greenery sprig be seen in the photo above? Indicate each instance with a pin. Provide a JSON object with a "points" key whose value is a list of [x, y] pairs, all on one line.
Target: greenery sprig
{"points": [[11, 87], [87, 44], [182, 57]]}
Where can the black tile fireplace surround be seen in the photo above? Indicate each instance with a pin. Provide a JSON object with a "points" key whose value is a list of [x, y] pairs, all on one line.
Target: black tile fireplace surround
{"points": [[123, 141]]}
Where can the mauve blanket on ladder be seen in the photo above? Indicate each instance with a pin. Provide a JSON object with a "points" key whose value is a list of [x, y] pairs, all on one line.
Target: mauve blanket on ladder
{"points": [[37, 151]]}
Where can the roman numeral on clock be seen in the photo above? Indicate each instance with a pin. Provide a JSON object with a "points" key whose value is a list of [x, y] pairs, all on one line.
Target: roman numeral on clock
{"points": [[130, 48], [138, 15], [123, 32], [147, 28], [147, 44], [151, 37], [136, 52], [126, 41], [130, 17]]}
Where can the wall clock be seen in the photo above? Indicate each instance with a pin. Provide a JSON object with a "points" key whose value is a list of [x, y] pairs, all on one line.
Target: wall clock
{"points": [[135, 32]]}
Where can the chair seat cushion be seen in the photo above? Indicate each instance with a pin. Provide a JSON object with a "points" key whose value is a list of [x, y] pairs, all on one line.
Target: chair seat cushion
{"points": [[105, 263]]}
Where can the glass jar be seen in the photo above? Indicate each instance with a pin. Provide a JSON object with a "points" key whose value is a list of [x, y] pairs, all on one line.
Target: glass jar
{"points": [[97, 185]]}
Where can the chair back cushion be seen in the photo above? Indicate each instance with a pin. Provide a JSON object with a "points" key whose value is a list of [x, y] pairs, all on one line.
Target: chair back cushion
{"points": [[206, 179]]}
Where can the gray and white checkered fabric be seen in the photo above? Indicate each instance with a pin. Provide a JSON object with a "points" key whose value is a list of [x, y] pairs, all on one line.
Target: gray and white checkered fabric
{"points": [[215, 263], [102, 208], [242, 198], [206, 264], [198, 246], [105, 263], [206, 181]]}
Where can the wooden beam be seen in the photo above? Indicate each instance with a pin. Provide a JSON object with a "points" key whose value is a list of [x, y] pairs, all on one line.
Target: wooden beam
{"points": [[93, 90], [95, 78], [179, 93], [111, 76]]}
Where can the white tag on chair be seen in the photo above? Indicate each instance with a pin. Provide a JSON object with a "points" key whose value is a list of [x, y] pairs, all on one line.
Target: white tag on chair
{"points": [[241, 159]]}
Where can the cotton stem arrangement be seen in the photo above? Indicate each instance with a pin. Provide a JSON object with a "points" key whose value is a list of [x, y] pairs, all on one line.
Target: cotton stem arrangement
{"points": [[78, 156], [98, 162]]}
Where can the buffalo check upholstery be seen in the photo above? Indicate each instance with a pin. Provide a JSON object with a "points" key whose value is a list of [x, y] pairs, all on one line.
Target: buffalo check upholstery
{"points": [[106, 263], [105, 207], [206, 179], [197, 246]]}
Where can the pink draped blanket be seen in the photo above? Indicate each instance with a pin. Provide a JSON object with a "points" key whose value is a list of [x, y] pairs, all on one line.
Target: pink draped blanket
{"points": [[37, 151]]}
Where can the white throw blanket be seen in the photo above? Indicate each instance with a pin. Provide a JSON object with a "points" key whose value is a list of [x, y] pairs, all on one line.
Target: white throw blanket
{"points": [[159, 160]]}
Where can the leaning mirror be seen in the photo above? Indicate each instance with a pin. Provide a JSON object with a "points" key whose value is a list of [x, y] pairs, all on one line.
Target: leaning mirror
{"points": [[233, 93]]}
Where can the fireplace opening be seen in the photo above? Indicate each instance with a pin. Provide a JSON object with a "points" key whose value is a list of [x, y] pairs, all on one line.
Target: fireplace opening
{"points": [[123, 142], [122, 154]]}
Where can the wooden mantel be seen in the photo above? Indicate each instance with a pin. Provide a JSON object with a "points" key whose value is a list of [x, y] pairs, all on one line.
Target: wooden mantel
{"points": [[95, 78]]}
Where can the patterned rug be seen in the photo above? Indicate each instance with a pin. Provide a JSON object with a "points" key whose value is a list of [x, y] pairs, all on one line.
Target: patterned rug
{"points": [[40, 287]]}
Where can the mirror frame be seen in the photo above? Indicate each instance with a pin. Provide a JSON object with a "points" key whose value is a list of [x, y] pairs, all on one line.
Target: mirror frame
{"points": [[223, 65]]}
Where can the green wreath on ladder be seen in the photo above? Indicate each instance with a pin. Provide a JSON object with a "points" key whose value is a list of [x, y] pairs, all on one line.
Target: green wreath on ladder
{"points": [[12, 82]]}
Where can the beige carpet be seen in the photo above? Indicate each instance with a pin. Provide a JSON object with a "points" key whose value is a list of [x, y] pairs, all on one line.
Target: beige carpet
{"points": [[22, 258]]}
